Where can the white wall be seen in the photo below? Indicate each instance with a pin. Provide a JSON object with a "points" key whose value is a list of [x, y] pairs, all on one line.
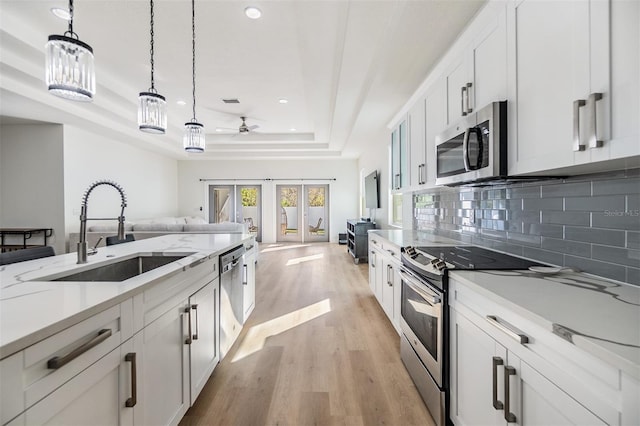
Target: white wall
{"points": [[32, 179], [343, 191], [149, 179], [376, 157]]}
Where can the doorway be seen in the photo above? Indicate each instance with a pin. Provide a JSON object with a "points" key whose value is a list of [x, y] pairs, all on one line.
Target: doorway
{"points": [[304, 213], [237, 203]]}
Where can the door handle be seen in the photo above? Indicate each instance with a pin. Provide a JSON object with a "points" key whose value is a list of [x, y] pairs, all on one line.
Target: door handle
{"points": [[577, 146], [463, 91], [187, 311], [131, 402], [593, 118], [497, 404], [389, 275], [469, 110], [373, 258], [194, 307], [245, 275], [508, 415]]}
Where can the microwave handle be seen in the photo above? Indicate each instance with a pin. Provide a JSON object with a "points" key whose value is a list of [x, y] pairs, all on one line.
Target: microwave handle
{"points": [[465, 149]]}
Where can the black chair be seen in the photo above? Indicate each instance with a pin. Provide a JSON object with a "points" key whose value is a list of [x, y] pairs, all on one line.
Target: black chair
{"points": [[26, 254], [112, 240]]}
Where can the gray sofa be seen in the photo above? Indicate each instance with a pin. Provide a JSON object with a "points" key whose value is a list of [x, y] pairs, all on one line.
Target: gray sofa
{"points": [[149, 228]]}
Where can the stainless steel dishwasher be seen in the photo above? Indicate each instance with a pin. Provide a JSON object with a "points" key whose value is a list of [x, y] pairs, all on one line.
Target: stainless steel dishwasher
{"points": [[231, 297]]}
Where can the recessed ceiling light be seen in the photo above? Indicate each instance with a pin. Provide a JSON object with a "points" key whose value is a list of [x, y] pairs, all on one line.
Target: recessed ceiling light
{"points": [[283, 101], [253, 12], [181, 103], [293, 129], [61, 13], [218, 129]]}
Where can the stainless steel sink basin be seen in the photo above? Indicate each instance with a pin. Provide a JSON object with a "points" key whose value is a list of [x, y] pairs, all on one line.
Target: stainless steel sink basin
{"points": [[120, 270]]}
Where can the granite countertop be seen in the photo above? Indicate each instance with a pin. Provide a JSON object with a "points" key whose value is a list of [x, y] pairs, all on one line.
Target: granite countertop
{"points": [[404, 238], [32, 309], [600, 316]]}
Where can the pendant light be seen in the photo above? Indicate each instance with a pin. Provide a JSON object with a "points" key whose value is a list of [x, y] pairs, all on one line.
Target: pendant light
{"points": [[69, 69], [193, 131], [152, 107]]}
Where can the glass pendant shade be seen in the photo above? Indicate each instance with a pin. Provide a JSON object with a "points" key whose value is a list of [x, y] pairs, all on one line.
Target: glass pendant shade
{"points": [[152, 113], [193, 137], [70, 70]]}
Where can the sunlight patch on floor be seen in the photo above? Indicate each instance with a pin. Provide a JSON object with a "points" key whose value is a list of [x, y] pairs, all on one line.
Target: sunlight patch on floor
{"points": [[257, 335], [298, 260], [279, 247]]}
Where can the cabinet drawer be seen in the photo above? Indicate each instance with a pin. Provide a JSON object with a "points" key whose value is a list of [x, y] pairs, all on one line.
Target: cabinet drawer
{"points": [[385, 246], [52, 362]]}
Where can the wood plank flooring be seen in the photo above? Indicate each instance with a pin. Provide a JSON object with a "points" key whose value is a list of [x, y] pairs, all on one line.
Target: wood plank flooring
{"points": [[317, 350]]}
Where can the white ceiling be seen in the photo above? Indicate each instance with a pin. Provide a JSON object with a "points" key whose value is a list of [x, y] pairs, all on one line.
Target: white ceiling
{"points": [[346, 68]]}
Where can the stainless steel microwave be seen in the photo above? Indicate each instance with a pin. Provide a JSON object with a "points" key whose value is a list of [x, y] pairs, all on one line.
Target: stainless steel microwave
{"points": [[475, 149]]}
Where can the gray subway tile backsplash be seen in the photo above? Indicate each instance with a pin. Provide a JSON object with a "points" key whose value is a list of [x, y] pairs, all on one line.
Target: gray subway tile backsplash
{"points": [[588, 222]]}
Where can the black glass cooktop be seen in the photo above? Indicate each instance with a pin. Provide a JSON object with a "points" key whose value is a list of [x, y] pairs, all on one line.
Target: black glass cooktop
{"points": [[472, 257]]}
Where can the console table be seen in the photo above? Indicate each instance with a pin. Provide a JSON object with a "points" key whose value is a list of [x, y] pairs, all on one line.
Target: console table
{"points": [[357, 239], [25, 234]]}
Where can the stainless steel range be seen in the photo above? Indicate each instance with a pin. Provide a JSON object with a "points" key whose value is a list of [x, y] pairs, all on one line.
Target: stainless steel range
{"points": [[424, 345]]}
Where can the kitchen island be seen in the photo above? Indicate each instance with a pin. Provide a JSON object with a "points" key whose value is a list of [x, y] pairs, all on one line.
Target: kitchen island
{"points": [[72, 348]]}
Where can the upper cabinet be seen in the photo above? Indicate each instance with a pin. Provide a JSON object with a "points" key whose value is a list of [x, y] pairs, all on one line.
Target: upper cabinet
{"points": [[399, 157], [576, 66], [417, 144]]}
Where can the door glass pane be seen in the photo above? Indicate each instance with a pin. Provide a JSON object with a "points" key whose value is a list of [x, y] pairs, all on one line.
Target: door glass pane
{"points": [[250, 209], [415, 311], [221, 204], [289, 211], [316, 210]]}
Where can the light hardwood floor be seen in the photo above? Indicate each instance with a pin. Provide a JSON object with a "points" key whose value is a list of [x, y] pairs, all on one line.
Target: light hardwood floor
{"points": [[318, 349]]}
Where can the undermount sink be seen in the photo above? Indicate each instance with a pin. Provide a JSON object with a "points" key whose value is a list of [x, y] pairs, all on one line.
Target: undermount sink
{"points": [[120, 270]]}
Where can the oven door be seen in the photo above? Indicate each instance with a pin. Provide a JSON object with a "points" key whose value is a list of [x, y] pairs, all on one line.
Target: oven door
{"points": [[422, 322]]}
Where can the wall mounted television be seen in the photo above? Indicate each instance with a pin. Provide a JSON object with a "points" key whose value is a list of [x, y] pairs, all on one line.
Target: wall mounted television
{"points": [[372, 191]]}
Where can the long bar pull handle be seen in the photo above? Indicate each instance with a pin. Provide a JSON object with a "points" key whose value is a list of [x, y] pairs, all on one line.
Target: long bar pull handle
{"points": [[373, 257], [508, 415], [195, 308], [245, 280], [188, 340], [508, 329], [497, 404], [592, 140], [469, 110], [131, 402], [463, 91], [577, 146], [57, 362], [389, 275]]}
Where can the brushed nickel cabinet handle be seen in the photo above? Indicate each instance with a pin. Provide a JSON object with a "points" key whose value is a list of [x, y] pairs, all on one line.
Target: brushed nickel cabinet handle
{"points": [[389, 275], [187, 311], [194, 307], [463, 91], [469, 110], [592, 139], [577, 146], [508, 329], [245, 274], [508, 415], [497, 404], [131, 402], [57, 362]]}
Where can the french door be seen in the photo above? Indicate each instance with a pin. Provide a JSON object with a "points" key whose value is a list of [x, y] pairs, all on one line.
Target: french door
{"points": [[237, 203], [303, 213]]}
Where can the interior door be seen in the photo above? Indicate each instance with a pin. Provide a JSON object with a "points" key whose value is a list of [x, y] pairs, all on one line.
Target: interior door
{"points": [[316, 214], [222, 204], [249, 208], [290, 214]]}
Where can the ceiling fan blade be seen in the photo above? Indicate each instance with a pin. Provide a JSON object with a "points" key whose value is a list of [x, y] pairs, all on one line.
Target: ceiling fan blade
{"points": [[253, 127]]}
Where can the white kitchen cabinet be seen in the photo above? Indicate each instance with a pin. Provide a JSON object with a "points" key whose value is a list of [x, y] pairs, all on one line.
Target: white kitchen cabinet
{"points": [[417, 145], [384, 277], [249, 281], [560, 86], [492, 386], [436, 122], [399, 156], [204, 347], [375, 270]]}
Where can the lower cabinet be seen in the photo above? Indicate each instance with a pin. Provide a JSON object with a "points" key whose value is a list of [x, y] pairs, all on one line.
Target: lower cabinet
{"points": [[490, 385], [204, 347], [384, 277], [249, 282]]}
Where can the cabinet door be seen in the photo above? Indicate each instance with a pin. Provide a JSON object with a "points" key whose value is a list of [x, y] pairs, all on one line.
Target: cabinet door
{"points": [[436, 122], [417, 143], [92, 397], [249, 281], [475, 376], [554, 70], [373, 268], [387, 292], [489, 64], [163, 394], [535, 400], [395, 159], [203, 350], [458, 84]]}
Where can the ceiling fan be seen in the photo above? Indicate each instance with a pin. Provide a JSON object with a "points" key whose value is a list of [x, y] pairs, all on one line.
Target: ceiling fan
{"points": [[244, 129]]}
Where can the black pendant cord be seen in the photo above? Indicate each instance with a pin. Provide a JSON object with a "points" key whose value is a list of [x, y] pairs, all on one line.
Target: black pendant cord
{"points": [[153, 88], [193, 52], [70, 31]]}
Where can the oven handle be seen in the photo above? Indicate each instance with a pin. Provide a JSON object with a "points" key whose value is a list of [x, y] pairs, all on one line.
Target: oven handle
{"points": [[428, 295]]}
